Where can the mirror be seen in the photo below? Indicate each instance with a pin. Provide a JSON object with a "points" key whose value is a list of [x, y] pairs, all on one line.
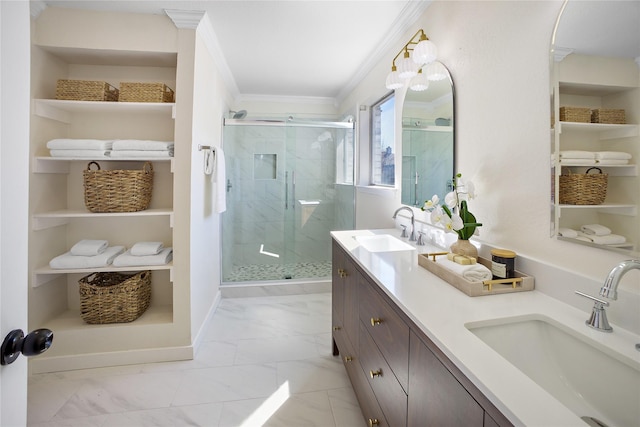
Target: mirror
{"points": [[428, 141], [596, 68]]}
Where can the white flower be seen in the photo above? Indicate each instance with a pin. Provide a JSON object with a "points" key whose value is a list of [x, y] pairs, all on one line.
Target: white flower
{"points": [[430, 204], [436, 215], [452, 224], [451, 200], [471, 190]]}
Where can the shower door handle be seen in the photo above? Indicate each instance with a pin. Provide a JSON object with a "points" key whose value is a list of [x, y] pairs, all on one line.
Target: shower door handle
{"points": [[293, 190], [286, 190]]}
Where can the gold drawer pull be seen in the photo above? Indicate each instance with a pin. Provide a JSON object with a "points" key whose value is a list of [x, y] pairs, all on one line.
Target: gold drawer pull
{"points": [[377, 373], [348, 358], [336, 328], [373, 422], [342, 272], [375, 321]]}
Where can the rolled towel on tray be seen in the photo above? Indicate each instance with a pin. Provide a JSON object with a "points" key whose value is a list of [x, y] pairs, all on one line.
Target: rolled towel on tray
{"points": [[595, 229], [79, 144], [68, 261], [88, 247], [127, 260], [139, 144], [472, 273], [146, 248]]}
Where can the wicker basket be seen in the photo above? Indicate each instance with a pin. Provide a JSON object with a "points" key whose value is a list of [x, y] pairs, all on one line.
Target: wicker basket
{"points": [[145, 92], [85, 90], [607, 115], [575, 114], [117, 190], [114, 297], [583, 189]]}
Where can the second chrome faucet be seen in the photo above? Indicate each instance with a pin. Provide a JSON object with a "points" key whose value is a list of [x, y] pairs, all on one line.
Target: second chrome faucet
{"points": [[412, 236]]}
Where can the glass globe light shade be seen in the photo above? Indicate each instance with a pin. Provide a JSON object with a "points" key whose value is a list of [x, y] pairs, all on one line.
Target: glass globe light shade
{"points": [[425, 52], [419, 82], [406, 67], [436, 71], [393, 80]]}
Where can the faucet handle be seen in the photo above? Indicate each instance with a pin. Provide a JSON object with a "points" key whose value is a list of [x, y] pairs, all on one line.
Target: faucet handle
{"points": [[598, 319], [421, 235], [594, 299], [404, 231]]}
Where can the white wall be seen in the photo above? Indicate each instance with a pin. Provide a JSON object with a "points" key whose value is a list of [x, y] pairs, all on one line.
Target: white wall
{"points": [[498, 55]]}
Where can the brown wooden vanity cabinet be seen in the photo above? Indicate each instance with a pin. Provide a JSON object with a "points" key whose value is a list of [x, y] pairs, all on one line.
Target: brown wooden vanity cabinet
{"points": [[399, 376]]}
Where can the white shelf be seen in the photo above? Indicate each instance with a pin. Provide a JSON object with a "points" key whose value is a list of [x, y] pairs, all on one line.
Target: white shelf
{"points": [[612, 170], [61, 110], [605, 131], [46, 220], [44, 275], [70, 319], [46, 164], [612, 208]]}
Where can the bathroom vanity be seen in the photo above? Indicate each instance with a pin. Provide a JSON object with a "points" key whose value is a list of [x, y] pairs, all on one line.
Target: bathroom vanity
{"points": [[418, 351]]}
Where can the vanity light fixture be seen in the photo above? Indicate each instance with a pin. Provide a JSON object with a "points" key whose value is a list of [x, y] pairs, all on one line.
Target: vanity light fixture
{"points": [[420, 82], [417, 52]]}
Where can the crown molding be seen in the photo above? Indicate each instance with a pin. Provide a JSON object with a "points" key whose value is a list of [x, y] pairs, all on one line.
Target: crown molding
{"points": [[36, 7], [559, 53], [185, 19], [409, 15], [310, 100]]}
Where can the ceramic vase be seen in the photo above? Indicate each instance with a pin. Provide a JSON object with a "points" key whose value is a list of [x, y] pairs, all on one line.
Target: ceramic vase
{"points": [[464, 247]]}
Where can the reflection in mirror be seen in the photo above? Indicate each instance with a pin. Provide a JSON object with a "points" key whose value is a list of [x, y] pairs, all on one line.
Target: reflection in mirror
{"points": [[428, 141], [596, 110]]}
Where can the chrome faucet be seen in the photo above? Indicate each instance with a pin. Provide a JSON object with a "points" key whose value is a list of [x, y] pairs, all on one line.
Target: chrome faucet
{"points": [[412, 236], [598, 319]]}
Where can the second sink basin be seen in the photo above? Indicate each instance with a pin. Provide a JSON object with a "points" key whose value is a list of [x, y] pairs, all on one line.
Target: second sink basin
{"points": [[383, 243], [591, 380]]}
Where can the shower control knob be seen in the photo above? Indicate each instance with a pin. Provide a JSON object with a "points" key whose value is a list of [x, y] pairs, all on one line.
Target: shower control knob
{"points": [[36, 342]]}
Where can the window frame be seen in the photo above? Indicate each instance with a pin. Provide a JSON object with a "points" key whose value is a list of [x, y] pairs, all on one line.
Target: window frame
{"points": [[375, 161]]}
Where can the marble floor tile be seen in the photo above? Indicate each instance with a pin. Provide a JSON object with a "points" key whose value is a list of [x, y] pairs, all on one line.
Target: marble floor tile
{"points": [[264, 361]]}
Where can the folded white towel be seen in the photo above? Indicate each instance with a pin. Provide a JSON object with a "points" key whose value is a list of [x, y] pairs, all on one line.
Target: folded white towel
{"points": [[139, 144], [614, 155], [595, 229], [88, 247], [67, 260], [84, 154], [472, 273], [613, 162], [577, 154], [146, 248], [141, 153], [574, 162], [567, 232], [127, 260], [608, 239], [79, 144]]}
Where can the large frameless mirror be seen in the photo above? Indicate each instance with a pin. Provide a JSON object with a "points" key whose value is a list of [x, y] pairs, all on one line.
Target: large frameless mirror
{"points": [[428, 139], [595, 70]]}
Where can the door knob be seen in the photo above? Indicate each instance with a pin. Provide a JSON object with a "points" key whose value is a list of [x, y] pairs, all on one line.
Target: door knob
{"points": [[15, 342]]}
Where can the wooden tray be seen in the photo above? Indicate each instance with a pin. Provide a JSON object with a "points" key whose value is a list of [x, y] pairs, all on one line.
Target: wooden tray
{"points": [[520, 283]]}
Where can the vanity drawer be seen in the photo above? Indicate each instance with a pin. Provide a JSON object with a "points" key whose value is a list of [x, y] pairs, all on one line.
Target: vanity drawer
{"points": [[389, 393], [387, 329]]}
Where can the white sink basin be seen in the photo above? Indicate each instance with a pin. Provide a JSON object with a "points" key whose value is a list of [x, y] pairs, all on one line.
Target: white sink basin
{"points": [[383, 243], [588, 378]]}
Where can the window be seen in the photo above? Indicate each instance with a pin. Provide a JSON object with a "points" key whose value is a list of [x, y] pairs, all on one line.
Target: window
{"points": [[383, 141]]}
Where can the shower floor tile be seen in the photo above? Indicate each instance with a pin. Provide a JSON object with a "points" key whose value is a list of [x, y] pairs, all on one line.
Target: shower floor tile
{"points": [[259, 272]]}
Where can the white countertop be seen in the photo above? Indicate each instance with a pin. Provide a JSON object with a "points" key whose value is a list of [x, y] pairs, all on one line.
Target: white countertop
{"points": [[441, 312]]}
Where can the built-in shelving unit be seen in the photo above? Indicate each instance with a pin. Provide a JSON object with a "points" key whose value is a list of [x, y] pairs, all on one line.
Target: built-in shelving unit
{"points": [[59, 217]]}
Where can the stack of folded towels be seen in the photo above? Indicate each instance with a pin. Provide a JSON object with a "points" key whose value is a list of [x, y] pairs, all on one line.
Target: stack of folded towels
{"points": [[87, 254], [141, 148], [594, 233], [471, 271], [98, 253], [594, 158], [145, 253], [80, 148]]}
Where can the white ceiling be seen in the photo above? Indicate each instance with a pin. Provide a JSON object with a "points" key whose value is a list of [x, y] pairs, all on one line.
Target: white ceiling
{"points": [[318, 49]]}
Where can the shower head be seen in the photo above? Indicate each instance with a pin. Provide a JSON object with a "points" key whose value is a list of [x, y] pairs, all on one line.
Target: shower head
{"points": [[238, 114]]}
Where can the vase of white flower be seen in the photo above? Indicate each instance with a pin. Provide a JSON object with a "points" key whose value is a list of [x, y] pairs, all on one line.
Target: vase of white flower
{"points": [[454, 215]]}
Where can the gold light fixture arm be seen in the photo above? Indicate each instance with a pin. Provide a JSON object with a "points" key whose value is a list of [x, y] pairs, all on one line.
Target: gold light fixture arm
{"points": [[406, 48]]}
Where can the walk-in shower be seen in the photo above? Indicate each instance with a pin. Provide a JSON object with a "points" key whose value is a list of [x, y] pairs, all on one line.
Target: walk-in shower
{"points": [[289, 183]]}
